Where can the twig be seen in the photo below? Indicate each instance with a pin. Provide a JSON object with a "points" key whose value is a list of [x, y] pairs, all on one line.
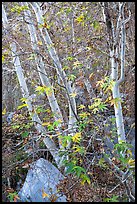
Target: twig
{"points": [[114, 188]]}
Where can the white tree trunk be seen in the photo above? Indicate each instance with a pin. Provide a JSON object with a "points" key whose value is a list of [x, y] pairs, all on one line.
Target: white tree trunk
{"points": [[48, 142], [61, 74], [42, 72], [114, 65]]}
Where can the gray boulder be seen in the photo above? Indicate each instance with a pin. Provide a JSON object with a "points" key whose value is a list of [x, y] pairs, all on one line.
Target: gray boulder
{"points": [[42, 177]]}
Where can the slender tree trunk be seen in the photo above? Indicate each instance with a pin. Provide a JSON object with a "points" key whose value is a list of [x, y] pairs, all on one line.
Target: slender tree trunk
{"points": [[37, 122], [42, 72], [114, 43], [61, 74]]}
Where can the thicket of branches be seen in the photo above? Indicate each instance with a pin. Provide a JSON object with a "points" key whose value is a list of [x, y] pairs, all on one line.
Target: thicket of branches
{"points": [[68, 68]]}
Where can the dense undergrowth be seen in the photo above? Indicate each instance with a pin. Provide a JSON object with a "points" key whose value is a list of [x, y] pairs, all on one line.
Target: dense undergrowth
{"points": [[89, 176]]}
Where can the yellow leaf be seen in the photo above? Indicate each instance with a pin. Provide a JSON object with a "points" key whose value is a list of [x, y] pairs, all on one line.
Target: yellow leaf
{"points": [[85, 178], [91, 76], [108, 99], [81, 107], [84, 114], [22, 106], [114, 101], [88, 181], [4, 111], [46, 123], [67, 28], [100, 83], [48, 110], [3, 58], [58, 133], [131, 162], [83, 182], [77, 137], [59, 120], [39, 42], [81, 161], [129, 152], [80, 18], [73, 95], [44, 194], [49, 91], [76, 63], [90, 107], [89, 48]]}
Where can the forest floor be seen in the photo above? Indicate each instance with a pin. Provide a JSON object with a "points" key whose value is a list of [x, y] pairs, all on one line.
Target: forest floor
{"points": [[104, 185]]}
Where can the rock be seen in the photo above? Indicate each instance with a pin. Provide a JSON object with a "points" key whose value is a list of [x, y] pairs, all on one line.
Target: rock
{"points": [[42, 177], [9, 117]]}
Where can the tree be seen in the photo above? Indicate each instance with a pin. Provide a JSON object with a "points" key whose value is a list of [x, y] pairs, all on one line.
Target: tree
{"points": [[62, 54], [38, 124], [115, 22]]}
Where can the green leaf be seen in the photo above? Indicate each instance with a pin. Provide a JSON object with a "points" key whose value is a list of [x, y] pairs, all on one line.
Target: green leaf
{"points": [[68, 10], [50, 127], [70, 166], [73, 95], [25, 134], [40, 110], [15, 126], [40, 89], [102, 106], [57, 123], [65, 139], [96, 25], [78, 170], [71, 77], [70, 58], [102, 163], [11, 196], [85, 178]]}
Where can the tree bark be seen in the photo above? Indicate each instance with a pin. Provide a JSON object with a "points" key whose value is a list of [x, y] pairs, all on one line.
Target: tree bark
{"points": [[61, 74], [42, 72], [114, 46], [37, 122]]}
